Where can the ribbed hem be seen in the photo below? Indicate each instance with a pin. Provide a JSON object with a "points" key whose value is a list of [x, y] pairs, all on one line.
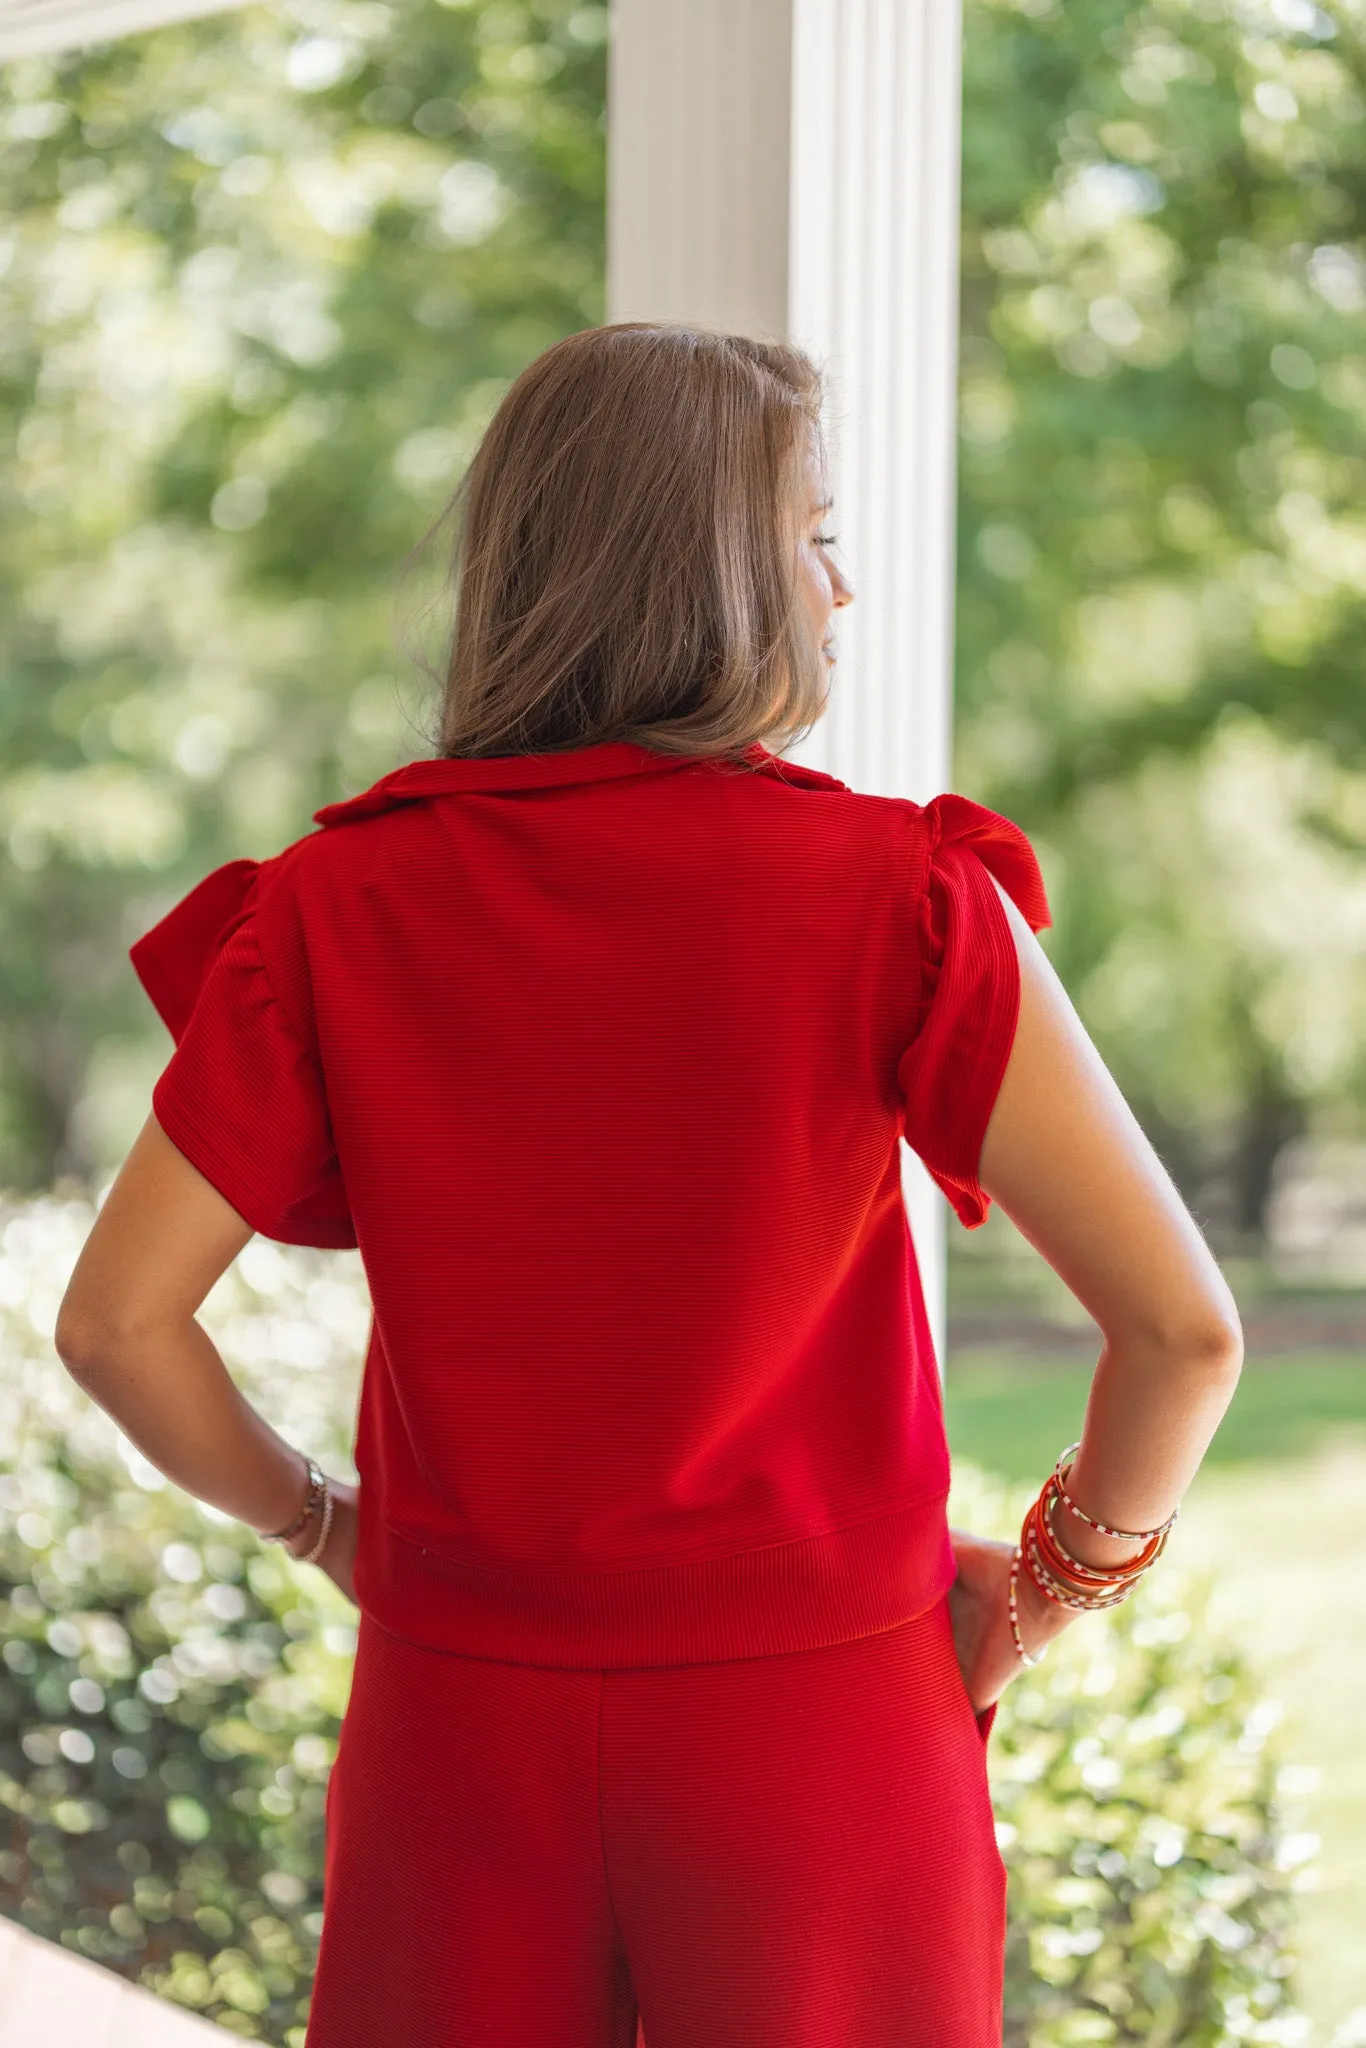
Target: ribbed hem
{"points": [[819, 1590]]}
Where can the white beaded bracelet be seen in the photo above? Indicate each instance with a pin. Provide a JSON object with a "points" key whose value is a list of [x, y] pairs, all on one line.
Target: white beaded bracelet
{"points": [[1024, 1655]]}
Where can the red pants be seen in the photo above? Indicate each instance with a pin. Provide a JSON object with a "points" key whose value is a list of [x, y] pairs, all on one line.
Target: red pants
{"points": [[789, 1851]]}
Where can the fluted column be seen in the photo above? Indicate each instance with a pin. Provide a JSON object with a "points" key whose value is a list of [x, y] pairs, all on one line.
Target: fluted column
{"points": [[790, 168]]}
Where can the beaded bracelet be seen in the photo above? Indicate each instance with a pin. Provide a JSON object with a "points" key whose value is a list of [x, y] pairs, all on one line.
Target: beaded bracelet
{"points": [[1067, 1580], [1042, 1542], [1060, 1471], [1024, 1655], [310, 1502], [312, 1556], [318, 1491], [1059, 1578]]}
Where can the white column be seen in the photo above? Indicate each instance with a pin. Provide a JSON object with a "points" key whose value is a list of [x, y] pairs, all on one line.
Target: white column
{"points": [[790, 169]]}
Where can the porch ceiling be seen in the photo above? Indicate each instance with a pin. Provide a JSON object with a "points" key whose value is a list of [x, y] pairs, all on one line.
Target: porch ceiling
{"points": [[30, 25]]}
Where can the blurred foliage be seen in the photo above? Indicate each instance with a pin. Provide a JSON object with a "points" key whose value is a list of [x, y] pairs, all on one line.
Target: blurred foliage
{"points": [[1148, 1826], [171, 1689], [171, 1692], [1162, 559], [267, 274], [265, 277]]}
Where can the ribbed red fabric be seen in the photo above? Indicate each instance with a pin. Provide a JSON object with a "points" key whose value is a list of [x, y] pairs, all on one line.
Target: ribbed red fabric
{"points": [[602, 1059], [777, 1852]]}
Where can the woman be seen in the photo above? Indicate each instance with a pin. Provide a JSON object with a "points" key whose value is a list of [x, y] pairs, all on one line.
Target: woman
{"points": [[597, 1032]]}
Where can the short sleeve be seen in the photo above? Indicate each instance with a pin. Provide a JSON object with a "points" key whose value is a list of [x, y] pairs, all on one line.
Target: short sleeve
{"points": [[951, 1072], [243, 1095]]}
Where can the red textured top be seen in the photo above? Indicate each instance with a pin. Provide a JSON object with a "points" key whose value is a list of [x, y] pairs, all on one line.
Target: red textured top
{"points": [[602, 1059]]}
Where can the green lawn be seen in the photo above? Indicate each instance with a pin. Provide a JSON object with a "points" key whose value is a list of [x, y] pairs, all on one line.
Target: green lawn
{"points": [[1015, 1416], [1277, 1516]]}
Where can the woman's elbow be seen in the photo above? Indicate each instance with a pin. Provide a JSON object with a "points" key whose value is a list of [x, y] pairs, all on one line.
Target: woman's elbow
{"points": [[82, 1342], [1216, 1346], [1209, 1342]]}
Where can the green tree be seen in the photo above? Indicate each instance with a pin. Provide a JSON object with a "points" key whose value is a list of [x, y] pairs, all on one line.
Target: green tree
{"points": [[266, 275], [1162, 581]]}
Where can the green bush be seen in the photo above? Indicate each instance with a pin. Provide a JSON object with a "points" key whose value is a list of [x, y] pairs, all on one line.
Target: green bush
{"points": [[171, 1693], [167, 1721], [171, 1689]]}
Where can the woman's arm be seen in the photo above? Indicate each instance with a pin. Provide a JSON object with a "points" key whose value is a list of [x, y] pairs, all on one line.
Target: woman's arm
{"points": [[1065, 1158], [127, 1333]]}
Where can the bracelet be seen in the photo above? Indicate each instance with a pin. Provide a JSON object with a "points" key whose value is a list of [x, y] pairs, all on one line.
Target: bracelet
{"points": [[317, 1488], [1063, 1466], [1061, 1587], [1084, 1577], [1065, 1579], [1024, 1655], [312, 1556]]}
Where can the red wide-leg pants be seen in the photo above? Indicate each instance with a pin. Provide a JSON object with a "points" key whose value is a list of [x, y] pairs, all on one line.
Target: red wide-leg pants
{"points": [[791, 1851]]}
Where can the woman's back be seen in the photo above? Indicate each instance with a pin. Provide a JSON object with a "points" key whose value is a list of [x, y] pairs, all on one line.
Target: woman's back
{"points": [[602, 1058], [601, 1049]]}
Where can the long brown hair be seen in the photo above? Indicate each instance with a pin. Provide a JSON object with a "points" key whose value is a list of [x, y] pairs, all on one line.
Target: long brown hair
{"points": [[624, 557]]}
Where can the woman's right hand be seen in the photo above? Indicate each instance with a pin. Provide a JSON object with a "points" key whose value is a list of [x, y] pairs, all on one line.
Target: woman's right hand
{"points": [[338, 1558]]}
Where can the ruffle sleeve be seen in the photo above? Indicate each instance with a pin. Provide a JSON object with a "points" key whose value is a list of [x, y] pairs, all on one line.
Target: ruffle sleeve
{"points": [[969, 1004], [243, 1094]]}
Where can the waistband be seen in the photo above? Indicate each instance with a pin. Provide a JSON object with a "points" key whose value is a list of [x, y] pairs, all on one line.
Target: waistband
{"points": [[800, 1595]]}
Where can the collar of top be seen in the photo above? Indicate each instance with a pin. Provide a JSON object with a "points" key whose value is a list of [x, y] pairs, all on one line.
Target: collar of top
{"points": [[419, 779]]}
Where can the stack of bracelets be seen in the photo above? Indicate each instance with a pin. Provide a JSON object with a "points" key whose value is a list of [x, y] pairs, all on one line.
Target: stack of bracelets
{"points": [[319, 1495], [1064, 1579]]}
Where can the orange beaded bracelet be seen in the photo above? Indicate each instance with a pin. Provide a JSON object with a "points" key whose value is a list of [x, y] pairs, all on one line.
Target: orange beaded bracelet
{"points": [[1065, 1579]]}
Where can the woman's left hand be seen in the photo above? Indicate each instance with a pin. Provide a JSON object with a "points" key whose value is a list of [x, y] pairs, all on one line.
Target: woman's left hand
{"points": [[979, 1609]]}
